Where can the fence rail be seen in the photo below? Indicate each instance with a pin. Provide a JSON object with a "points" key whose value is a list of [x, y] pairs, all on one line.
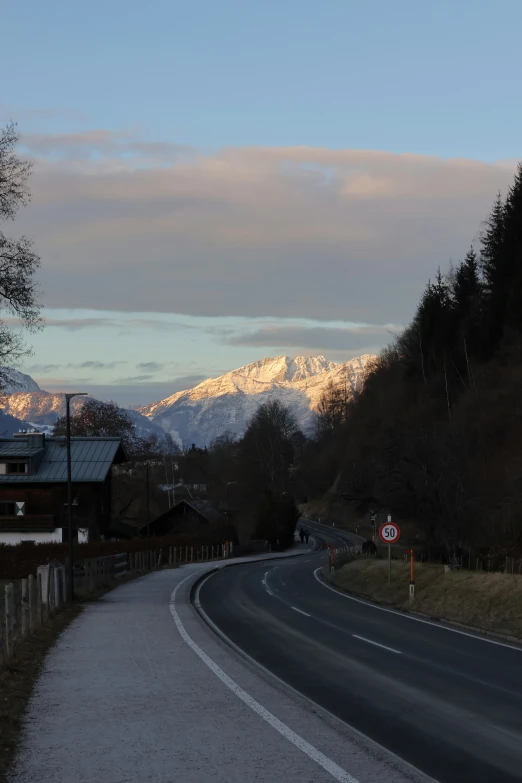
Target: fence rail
{"points": [[27, 604]]}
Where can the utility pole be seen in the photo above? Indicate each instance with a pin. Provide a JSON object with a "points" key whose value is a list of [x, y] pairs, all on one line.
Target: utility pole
{"points": [[70, 548], [148, 516]]}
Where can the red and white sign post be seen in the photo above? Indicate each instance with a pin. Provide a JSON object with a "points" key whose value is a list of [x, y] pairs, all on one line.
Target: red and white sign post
{"points": [[390, 534]]}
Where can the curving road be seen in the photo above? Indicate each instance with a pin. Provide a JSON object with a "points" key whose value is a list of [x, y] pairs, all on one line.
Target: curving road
{"points": [[449, 703]]}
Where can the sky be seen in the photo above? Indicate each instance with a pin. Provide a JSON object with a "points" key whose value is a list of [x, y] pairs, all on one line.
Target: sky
{"points": [[214, 183]]}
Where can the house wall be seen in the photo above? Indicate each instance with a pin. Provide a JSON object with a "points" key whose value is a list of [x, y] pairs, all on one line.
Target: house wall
{"points": [[38, 538], [91, 515]]}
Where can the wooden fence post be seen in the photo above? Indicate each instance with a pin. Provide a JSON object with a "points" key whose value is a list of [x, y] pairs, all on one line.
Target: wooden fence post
{"points": [[9, 642], [57, 591], [39, 602], [25, 609], [30, 593], [2, 655], [52, 591], [15, 605]]}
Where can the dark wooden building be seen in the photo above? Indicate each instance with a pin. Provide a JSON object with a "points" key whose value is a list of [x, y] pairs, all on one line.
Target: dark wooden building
{"points": [[187, 516], [33, 486]]}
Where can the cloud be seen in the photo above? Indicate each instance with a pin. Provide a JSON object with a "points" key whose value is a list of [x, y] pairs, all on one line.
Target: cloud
{"points": [[130, 225], [102, 144], [316, 338], [135, 379], [42, 369], [97, 365], [74, 324], [28, 117], [150, 366]]}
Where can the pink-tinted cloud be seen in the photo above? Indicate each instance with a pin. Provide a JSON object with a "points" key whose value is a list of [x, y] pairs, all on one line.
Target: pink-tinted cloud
{"points": [[295, 232]]}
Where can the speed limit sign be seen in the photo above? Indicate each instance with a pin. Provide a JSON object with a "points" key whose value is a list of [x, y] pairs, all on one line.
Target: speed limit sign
{"points": [[389, 533]]}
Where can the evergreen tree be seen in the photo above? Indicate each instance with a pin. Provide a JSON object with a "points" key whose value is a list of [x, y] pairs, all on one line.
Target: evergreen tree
{"points": [[494, 262], [433, 319], [513, 252], [466, 285]]}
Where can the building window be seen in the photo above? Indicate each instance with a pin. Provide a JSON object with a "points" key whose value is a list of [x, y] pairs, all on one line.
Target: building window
{"points": [[7, 509], [16, 467]]}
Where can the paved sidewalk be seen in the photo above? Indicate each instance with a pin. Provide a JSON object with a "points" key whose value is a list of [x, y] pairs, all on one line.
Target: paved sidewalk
{"points": [[123, 698]]}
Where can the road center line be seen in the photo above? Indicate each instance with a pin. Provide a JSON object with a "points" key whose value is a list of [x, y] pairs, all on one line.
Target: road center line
{"points": [[383, 646], [300, 611], [323, 761]]}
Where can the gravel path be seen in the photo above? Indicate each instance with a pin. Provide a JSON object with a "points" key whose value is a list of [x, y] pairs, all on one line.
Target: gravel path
{"points": [[124, 698]]}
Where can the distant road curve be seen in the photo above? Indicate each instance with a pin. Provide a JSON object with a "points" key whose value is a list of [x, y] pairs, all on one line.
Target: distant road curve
{"points": [[448, 703]]}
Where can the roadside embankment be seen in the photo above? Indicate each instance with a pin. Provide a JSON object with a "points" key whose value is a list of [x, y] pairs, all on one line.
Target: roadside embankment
{"points": [[489, 602]]}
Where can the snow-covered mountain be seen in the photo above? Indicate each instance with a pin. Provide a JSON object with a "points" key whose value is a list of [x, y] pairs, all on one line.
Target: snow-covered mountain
{"points": [[225, 404], [37, 409], [12, 381]]}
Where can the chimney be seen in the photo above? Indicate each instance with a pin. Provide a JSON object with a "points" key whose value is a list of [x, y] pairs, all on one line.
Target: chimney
{"points": [[36, 440]]}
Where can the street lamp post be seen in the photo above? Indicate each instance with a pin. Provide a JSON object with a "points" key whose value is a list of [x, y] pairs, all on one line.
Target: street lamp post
{"points": [[68, 398], [148, 515]]}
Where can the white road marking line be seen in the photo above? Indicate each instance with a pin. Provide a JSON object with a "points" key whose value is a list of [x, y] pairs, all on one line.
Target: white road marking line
{"points": [[300, 611], [265, 583], [439, 626], [323, 761], [384, 647]]}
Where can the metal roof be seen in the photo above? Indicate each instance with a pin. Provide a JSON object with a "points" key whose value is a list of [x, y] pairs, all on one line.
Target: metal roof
{"points": [[17, 448], [204, 508], [91, 460]]}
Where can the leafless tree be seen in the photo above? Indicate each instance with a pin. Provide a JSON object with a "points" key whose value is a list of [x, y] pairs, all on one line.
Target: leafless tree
{"points": [[18, 262]]}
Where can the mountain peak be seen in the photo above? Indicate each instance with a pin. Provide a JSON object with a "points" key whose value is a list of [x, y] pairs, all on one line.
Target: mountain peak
{"points": [[283, 369]]}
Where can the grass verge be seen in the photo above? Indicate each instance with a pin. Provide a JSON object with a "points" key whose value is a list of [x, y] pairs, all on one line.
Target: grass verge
{"points": [[18, 678], [489, 602]]}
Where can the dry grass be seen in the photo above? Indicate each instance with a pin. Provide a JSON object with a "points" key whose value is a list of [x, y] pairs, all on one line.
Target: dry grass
{"points": [[18, 678], [491, 602]]}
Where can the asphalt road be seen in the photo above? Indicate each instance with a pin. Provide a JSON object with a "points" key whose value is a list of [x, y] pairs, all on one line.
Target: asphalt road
{"points": [[446, 702]]}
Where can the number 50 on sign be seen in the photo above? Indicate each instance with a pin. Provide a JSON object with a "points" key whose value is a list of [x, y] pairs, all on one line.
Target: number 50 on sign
{"points": [[389, 533]]}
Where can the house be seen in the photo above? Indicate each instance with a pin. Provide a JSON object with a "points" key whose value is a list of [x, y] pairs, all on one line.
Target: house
{"points": [[33, 486], [187, 516]]}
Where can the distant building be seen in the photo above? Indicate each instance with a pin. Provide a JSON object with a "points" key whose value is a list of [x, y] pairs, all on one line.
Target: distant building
{"points": [[187, 516], [33, 486]]}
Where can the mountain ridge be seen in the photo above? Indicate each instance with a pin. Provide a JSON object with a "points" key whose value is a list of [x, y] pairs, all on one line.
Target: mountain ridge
{"points": [[224, 404], [209, 409]]}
